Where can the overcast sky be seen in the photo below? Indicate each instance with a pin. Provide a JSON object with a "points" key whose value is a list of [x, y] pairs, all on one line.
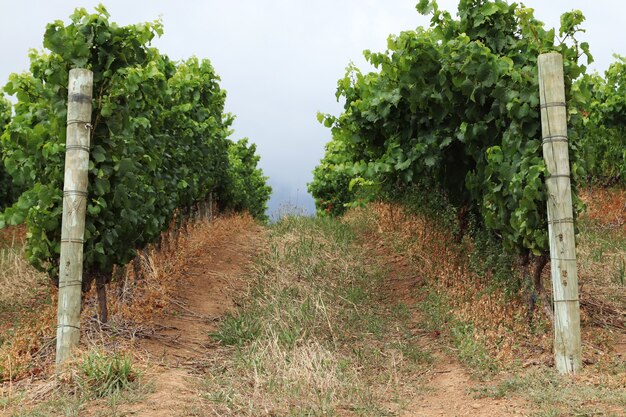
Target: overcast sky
{"points": [[280, 60]]}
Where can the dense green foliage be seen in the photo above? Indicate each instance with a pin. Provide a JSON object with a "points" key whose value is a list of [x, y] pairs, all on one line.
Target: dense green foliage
{"points": [[159, 140], [6, 184], [603, 129], [247, 188], [454, 107]]}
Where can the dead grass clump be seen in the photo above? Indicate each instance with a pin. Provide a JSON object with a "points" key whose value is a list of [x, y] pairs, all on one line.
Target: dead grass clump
{"points": [[12, 236], [26, 315], [95, 378], [146, 288], [20, 282], [278, 380], [138, 297], [601, 251], [28, 345]]}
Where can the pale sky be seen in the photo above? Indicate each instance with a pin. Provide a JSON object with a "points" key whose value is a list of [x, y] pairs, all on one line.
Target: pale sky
{"points": [[280, 60]]}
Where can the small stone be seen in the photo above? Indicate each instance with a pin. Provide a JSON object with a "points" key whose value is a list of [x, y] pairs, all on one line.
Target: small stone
{"points": [[475, 406]]}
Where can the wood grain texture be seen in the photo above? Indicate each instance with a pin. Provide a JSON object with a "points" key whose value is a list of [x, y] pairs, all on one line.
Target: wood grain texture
{"points": [[74, 206], [567, 343]]}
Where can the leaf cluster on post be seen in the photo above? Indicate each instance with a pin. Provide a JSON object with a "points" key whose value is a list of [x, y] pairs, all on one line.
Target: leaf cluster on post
{"points": [[454, 107]]}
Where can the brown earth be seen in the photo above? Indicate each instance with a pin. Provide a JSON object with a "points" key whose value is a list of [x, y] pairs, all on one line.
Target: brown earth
{"points": [[448, 383], [212, 279]]}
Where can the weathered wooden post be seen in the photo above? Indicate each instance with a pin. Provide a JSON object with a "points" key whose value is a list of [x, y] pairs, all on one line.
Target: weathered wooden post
{"points": [[211, 206], [74, 206], [567, 345]]}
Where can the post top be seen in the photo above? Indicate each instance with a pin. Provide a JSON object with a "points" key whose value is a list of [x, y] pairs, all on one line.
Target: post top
{"points": [[553, 56], [83, 71]]}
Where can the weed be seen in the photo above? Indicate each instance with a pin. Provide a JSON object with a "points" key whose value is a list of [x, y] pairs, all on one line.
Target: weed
{"points": [[438, 317], [501, 390], [471, 351], [401, 311], [102, 375], [411, 351], [436, 312], [237, 330], [356, 294], [61, 405], [489, 259], [10, 400]]}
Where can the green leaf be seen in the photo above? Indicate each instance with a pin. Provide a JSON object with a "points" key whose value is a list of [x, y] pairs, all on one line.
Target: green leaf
{"points": [[98, 154], [101, 186], [425, 7], [125, 166], [489, 8]]}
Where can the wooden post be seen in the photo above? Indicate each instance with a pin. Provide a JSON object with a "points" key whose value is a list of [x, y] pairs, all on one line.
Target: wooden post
{"points": [[567, 345], [74, 207], [211, 206]]}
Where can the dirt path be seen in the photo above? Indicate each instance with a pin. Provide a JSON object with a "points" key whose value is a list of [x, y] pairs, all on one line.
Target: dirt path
{"points": [[448, 383], [213, 276], [211, 280], [212, 270], [449, 395]]}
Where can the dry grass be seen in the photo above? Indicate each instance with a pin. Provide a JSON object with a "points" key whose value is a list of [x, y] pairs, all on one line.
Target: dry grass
{"points": [[606, 207], [279, 380], [12, 236], [18, 280], [487, 325], [137, 300], [26, 316], [314, 336], [142, 293], [94, 383], [28, 305], [498, 320], [320, 333], [602, 255]]}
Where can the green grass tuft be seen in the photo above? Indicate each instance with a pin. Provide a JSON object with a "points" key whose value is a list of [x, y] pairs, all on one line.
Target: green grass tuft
{"points": [[103, 375]]}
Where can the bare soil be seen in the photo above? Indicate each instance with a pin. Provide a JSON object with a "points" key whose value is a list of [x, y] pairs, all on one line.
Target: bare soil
{"points": [[448, 383], [212, 279]]}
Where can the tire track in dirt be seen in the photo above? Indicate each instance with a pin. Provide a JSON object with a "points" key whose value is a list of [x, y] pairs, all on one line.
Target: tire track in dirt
{"points": [[210, 282], [448, 384]]}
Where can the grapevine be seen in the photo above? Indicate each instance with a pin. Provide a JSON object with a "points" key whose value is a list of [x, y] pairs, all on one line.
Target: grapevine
{"points": [[602, 130], [159, 142], [454, 107], [6, 184]]}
